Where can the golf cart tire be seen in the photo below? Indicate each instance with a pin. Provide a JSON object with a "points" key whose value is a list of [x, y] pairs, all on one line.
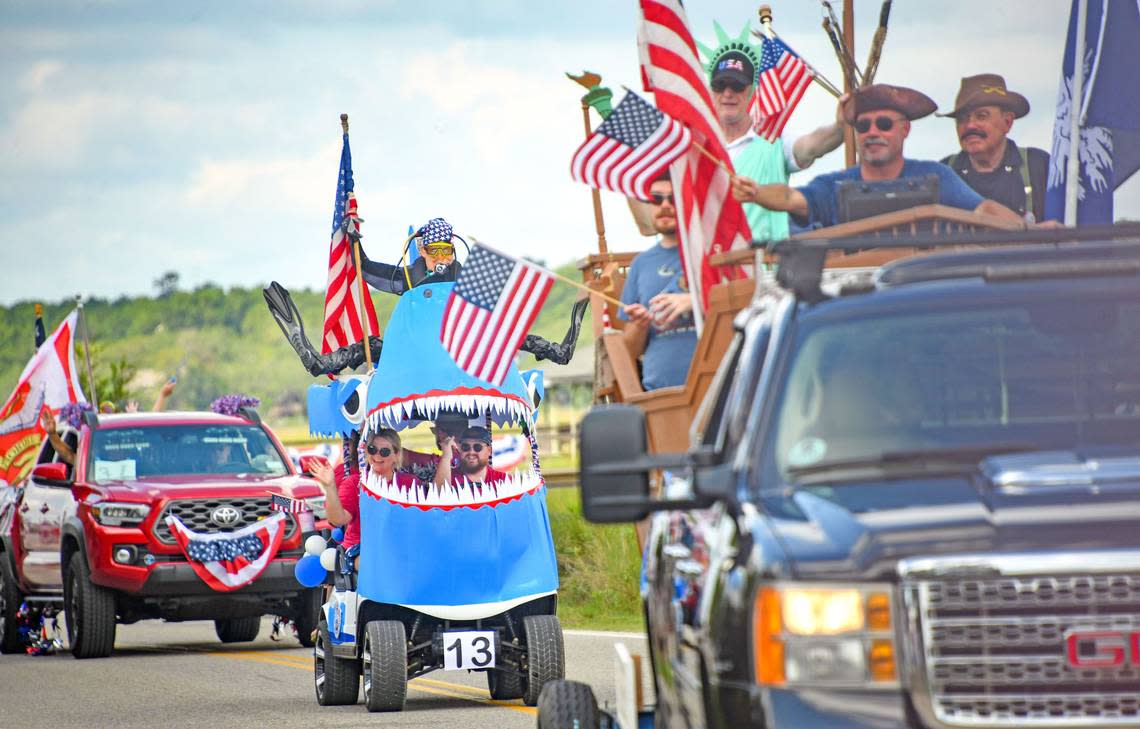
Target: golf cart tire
{"points": [[567, 705], [336, 679], [505, 685], [385, 665], [545, 653], [308, 614]]}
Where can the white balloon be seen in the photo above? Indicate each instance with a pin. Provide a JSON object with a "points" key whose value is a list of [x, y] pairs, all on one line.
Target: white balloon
{"points": [[328, 558], [314, 545]]}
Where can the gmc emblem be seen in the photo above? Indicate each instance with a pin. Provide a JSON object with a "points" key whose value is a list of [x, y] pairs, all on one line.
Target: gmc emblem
{"points": [[1102, 648]]}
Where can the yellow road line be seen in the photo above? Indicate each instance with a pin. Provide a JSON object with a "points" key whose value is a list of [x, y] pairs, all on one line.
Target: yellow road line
{"points": [[425, 685]]}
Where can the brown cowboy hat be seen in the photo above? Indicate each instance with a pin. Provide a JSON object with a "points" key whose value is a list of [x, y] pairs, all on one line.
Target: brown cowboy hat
{"points": [[908, 102], [988, 89]]}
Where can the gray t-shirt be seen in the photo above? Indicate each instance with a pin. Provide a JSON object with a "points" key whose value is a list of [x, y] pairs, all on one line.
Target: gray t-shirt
{"points": [[668, 351]]}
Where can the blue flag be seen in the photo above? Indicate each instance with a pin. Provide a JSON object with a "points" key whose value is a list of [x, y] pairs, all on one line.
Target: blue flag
{"points": [[1109, 146]]}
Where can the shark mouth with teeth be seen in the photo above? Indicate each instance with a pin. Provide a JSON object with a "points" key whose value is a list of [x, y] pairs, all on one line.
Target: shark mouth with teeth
{"points": [[504, 410], [465, 494]]}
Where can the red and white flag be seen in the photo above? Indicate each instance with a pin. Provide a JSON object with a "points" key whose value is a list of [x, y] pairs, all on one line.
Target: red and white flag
{"points": [[710, 220], [49, 380], [492, 307], [784, 78], [343, 324], [232, 560]]}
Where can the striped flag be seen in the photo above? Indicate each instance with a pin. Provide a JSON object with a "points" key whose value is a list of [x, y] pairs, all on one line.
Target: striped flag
{"points": [[495, 300], [342, 318], [783, 80], [634, 145], [710, 220], [277, 502]]}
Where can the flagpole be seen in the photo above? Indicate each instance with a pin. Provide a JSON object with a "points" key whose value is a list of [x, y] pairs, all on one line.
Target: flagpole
{"points": [[361, 291], [87, 352], [599, 223], [767, 31], [1073, 169]]}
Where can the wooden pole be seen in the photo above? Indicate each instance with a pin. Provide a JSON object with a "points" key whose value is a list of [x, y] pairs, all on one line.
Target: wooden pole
{"points": [[849, 42], [599, 223], [766, 31], [87, 353], [361, 289]]}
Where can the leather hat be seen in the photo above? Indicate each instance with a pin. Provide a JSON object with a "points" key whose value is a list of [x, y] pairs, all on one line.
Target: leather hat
{"points": [[988, 89], [908, 102]]}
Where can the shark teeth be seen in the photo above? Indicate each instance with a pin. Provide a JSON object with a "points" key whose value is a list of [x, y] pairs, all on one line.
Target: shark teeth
{"points": [[465, 494], [503, 410]]}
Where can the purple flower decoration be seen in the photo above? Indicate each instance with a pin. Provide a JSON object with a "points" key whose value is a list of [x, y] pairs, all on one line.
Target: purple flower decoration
{"points": [[72, 413], [232, 404]]}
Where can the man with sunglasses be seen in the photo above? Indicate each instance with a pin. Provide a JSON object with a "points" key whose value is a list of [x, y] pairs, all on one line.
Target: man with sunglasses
{"points": [[473, 450], [658, 307], [435, 242], [424, 465], [881, 115]]}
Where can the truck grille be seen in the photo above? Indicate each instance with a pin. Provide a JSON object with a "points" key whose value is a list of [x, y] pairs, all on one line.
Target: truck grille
{"points": [[196, 514], [997, 649]]}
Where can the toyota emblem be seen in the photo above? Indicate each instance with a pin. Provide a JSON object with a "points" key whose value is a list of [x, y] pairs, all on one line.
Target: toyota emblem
{"points": [[226, 516]]}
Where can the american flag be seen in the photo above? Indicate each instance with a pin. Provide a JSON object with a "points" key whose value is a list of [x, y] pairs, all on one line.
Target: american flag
{"points": [[630, 149], [342, 318], [495, 300], [710, 220], [783, 80], [277, 502]]}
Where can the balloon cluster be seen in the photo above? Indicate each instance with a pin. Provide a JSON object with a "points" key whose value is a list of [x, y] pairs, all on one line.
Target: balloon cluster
{"points": [[38, 638], [320, 559]]}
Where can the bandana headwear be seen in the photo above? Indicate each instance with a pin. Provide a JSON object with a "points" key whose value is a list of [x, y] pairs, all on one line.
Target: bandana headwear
{"points": [[436, 230], [733, 55]]}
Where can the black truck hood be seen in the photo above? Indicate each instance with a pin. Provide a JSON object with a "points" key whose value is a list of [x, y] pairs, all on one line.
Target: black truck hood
{"points": [[1025, 503]]}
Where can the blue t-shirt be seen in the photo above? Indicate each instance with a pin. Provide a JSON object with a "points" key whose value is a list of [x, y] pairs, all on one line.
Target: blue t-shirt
{"points": [[822, 193], [668, 351]]}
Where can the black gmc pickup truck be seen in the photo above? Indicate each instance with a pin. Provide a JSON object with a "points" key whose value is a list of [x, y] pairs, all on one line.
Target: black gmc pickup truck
{"points": [[912, 498]]}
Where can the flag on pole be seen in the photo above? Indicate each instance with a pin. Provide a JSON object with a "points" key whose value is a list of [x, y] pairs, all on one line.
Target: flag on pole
{"points": [[634, 145], [710, 220], [277, 502], [40, 334], [783, 79], [49, 380], [343, 324], [495, 300], [1109, 146]]}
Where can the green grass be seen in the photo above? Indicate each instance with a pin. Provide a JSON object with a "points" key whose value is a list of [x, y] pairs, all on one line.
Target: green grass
{"points": [[598, 567]]}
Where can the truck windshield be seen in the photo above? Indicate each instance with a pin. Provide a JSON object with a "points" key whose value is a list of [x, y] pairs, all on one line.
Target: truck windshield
{"points": [[1049, 374], [126, 454]]}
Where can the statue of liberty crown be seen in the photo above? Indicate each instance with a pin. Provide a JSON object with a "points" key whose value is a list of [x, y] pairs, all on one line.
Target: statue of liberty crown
{"points": [[740, 44]]}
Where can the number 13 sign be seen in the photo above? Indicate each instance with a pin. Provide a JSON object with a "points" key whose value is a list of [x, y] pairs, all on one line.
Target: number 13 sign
{"points": [[466, 649]]}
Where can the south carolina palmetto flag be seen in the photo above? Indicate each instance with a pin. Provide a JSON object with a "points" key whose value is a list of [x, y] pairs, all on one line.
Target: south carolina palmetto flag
{"points": [[495, 300], [709, 219], [343, 324]]}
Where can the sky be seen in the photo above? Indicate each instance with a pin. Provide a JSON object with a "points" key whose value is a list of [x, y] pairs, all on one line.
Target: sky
{"points": [[204, 137]]}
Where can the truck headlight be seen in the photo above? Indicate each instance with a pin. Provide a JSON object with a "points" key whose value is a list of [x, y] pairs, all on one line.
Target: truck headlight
{"points": [[823, 635], [317, 505], [119, 513]]}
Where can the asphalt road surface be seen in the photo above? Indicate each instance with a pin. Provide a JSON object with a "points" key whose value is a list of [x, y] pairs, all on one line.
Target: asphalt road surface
{"points": [[179, 675]]}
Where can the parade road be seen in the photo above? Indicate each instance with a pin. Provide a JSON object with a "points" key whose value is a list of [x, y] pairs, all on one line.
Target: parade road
{"points": [[179, 675]]}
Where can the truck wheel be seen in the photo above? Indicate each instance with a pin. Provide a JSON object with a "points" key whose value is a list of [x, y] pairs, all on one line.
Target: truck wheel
{"points": [[10, 599], [385, 665], [546, 657], [567, 705], [238, 630], [90, 612], [505, 685], [337, 679], [308, 613]]}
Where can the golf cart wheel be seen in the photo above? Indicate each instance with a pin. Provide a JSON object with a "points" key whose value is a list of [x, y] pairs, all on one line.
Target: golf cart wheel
{"points": [[545, 653], [567, 705], [505, 685], [337, 679], [307, 614], [385, 665]]}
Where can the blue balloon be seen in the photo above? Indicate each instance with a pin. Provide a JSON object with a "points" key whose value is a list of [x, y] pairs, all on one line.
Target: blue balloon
{"points": [[338, 535], [309, 571]]}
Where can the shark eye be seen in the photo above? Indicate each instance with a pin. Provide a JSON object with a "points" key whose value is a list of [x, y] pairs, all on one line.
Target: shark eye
{"points": [[353, 407]]}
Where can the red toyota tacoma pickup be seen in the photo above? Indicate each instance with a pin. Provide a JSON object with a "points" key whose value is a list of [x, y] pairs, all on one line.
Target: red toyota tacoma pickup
{"points": [[98, 540]]}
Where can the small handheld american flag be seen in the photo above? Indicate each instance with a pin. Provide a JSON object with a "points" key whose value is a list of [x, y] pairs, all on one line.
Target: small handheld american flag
{"points": [[277, 502], [784, 78], [634, 145], [495, 300]]}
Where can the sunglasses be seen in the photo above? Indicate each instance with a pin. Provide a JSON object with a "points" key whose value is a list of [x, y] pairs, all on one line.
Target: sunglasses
{"points": [[882, 123], [465, 447], [659, 198], [384, 452], [440, 249], [720, 85]]}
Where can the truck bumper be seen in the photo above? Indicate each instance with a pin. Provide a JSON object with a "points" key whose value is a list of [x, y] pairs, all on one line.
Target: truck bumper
{"points": [[178, 579]]}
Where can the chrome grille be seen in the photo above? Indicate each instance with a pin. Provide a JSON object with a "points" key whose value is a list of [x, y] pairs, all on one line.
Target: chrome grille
{"points": [[195, 514], [995, 649]]}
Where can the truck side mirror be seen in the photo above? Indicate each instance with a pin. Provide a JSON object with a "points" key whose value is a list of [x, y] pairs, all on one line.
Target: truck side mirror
{"points": [[309, 463], [51, 474], [612, 435]]}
